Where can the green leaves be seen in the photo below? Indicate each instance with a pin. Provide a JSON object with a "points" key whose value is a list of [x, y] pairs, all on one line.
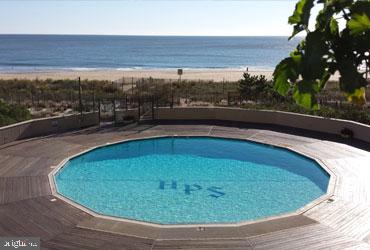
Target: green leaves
{"points": [[285, 74], [357, 97], [313, 63], [327, 50], [358, 24], [360, 18], [252, 87], [308, 63], [12, 113], [352, 83], [304, 94], [334, 28], [301, 16]]}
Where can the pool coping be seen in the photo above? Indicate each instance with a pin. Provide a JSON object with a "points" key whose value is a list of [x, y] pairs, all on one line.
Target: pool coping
{"points": [[144, 233]]}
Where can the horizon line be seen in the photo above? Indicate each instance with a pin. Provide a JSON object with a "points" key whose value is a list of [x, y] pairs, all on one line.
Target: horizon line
{"points": [[147, 35]]}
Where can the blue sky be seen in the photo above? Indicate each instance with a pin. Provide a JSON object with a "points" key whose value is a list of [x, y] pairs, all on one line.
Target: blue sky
{"points": [[138, 17]]}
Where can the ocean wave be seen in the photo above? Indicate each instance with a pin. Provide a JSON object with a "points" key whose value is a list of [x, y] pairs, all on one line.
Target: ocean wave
{"points": [[19, 69]]}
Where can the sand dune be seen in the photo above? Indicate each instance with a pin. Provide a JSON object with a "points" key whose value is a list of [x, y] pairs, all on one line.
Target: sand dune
{"points": [[215, 75]]}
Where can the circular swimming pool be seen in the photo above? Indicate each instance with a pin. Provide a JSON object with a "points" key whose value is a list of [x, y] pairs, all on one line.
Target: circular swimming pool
{"points": [[191, 180]]}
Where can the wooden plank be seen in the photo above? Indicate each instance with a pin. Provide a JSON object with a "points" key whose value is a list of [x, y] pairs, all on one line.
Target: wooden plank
{"points": [[21, 188], [354, 173], [233, 132], [281, 139], [78, 238], [212, 244], [314, 236], [326, 150], [347, 217], [9, 162], [24, 166], [39, 217], [46, 147], [344, 223]]}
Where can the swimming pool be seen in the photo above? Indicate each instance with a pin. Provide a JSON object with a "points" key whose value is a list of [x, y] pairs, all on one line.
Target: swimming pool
{"points": [[191, 180]]}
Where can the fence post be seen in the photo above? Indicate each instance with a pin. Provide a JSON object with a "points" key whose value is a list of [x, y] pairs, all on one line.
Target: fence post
{"points": [[126, 101], [80, 100], [138, 100], [114, 111], [172, 97], [123, 83], [94, 98], [99, 111], [152, 107], [138, 107], [80, 95], [156, 95], [132, 90]]}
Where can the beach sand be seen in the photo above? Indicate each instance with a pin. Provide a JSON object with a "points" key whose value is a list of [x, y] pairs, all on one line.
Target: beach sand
{"points": [[217, 75]]}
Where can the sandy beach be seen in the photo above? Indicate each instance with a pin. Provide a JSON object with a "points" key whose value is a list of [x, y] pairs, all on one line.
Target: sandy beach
{"points": [[217, 75]]}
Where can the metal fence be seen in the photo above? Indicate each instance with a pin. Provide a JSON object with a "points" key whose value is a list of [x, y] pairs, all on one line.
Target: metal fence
{"points": [[144, 95]]}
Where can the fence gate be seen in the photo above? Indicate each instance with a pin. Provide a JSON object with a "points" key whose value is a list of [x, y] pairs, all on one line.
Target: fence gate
{"points": [[146, 107], [107, 111]]}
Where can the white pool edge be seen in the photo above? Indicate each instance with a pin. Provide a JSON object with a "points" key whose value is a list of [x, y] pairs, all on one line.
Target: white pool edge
{"points": [[324, 198]]}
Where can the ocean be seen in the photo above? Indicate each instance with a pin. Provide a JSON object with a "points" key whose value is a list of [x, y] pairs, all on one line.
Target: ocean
{"points": [[29, 53]]}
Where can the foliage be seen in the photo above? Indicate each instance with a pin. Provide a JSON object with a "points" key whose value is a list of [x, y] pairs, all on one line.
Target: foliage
{"points": [[58, 95], [12, 113], [252, 87], [326, 50], [257, 88], [346, 112], [200, 93]]}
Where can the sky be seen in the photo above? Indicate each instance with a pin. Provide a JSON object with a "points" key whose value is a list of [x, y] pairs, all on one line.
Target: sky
{"points": [[147, 17]]}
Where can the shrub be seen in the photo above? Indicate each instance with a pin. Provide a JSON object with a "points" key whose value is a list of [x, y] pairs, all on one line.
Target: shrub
{"points": [[12, 113], [252, 87]]}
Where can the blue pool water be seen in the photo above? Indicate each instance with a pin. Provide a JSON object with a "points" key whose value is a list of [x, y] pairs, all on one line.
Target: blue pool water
{"points": [[191, 180]]}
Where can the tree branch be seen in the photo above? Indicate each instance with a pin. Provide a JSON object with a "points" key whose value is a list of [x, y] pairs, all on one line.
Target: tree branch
{"points": [[345, 15]]}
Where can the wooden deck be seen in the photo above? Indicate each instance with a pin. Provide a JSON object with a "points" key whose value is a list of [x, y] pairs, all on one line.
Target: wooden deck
{"points": [[27, 207]]}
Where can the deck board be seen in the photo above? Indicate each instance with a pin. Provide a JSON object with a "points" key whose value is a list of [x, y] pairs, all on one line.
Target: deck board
{"points": [[21, 188], [230, 244], [38, 217], [77, 238], [26, 208], [307, 237], [346, 217]]}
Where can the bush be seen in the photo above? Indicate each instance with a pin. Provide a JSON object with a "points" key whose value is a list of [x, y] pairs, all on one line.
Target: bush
{"points": [[253, 87], [12, 113], [259, 89]]}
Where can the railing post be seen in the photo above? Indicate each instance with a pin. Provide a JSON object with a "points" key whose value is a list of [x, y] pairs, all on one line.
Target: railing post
{"points": [[152, 107], [80, 95], [94, 98], [138, 100], [138, 107], [99, 111], [172, 97], [80, 100], [132, 90], [126, 102], [114, 110]]}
